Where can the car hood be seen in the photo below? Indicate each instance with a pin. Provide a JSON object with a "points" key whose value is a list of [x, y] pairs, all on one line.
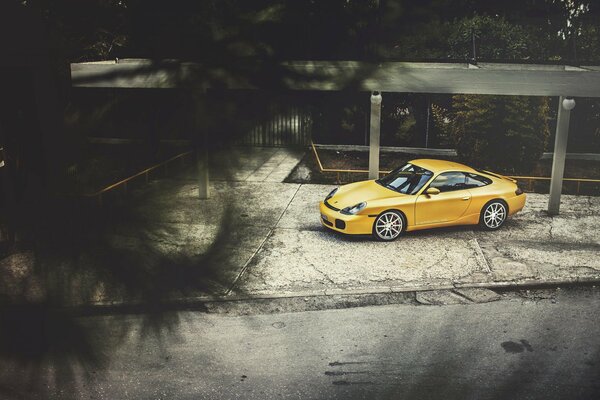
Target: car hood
{"points": [[354, 193]]}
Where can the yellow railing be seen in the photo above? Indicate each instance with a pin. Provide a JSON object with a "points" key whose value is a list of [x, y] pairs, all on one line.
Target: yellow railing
{"points": [[146, 173], [531, 179], [351, 171]]}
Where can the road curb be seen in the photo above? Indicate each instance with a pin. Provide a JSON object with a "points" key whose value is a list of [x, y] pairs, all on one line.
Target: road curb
{"points": [[198, 301]]}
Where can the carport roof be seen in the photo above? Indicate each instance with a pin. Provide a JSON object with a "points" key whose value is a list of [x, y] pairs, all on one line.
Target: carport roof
{"points": [[482, 78]]}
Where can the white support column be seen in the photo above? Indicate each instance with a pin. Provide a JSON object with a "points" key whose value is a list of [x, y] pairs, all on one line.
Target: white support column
{"points": [[565, 105], [202, 163], [374, 135], [202, 156]]}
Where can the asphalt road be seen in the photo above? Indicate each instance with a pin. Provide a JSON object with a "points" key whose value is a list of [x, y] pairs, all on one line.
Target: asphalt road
{"points": [[518, 348]]}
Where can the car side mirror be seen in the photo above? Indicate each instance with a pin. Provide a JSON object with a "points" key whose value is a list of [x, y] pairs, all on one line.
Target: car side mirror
{"points": [[432, 191]]}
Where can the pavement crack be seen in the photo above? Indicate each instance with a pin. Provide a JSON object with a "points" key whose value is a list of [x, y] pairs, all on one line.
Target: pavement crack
{"points": [[436, 261], [262, 243], [286, 207], [322, 273], [481, 255], [459, 294], [247, 263]]}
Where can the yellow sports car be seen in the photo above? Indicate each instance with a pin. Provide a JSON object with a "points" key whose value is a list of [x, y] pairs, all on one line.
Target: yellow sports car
{"points": [[419, 195]]}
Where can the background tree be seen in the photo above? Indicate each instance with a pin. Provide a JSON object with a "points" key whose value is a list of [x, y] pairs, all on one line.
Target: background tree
{"points": [[507, 132], [235, 33], [495, 39]]}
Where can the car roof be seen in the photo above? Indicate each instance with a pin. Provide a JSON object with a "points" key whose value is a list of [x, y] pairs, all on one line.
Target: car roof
{"points": [[436, 166]]}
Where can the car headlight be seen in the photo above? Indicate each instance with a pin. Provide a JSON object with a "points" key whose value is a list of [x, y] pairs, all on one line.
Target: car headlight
{"points": [[355, 209], [330, 195]]}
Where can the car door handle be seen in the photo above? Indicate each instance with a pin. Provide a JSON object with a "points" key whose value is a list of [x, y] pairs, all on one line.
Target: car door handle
{"points": [[466, 198]]}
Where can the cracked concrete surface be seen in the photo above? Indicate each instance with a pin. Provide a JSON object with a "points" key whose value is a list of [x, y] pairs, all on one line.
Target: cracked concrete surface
{"points": [[536, 246], [302, 256], [276, 245], [299, 260], [270, 242]]}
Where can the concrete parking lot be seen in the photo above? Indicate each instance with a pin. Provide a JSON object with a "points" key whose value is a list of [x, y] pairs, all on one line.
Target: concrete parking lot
{"points": [[263, 238], [276, 246], [299, 255]]}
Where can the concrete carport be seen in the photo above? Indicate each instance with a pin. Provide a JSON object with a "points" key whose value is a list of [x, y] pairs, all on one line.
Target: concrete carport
{"points": [[563, 81], [279, 248]]}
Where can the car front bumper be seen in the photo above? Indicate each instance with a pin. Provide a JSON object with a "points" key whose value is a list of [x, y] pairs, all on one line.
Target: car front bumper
{"points": [[350, 224]]}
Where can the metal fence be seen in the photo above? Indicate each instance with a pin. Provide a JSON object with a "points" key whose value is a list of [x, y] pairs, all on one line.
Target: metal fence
{"points": [[289, 126], [536, 184]]}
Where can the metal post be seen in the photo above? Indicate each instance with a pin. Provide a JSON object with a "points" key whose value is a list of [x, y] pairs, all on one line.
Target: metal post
{"points": [[565, 106], [203, 173], [427, 125], [204, 104], [374, 135]]}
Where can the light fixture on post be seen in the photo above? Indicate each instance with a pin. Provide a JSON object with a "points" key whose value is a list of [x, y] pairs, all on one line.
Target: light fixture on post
{"points": [[568, 103]]}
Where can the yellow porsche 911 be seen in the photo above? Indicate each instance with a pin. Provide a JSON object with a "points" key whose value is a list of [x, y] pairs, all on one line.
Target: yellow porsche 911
{"points": [[422, 194]]}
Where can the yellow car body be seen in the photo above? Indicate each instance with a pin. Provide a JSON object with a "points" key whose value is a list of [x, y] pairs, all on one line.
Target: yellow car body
{"points": [[462, 205]]}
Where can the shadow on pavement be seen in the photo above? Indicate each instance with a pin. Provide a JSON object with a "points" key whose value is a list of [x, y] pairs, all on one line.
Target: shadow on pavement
{"points": [[70, 260]]}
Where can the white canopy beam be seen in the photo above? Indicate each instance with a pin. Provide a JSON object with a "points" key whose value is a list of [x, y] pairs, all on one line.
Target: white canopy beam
{"points": [[452, 78]]}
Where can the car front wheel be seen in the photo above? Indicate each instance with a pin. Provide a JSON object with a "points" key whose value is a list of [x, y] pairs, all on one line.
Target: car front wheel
{"points": [[388, 226], [493, 215]]}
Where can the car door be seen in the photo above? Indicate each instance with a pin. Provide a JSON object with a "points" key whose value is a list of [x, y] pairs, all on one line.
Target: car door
{"points": [[447, 206]]}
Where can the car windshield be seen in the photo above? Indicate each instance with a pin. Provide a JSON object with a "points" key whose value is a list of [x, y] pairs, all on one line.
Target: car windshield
{"points": [[407, 179]]}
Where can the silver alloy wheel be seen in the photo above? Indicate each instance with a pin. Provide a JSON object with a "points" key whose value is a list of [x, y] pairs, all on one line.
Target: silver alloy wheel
{"points": [[388, 225], [494, 215]]}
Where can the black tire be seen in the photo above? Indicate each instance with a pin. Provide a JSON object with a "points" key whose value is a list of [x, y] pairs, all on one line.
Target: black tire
{"points": [[493, 215], [389, 225]]}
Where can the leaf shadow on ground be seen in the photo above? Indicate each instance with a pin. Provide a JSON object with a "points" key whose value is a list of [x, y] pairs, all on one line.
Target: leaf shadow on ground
{"points": [[47, 347]]}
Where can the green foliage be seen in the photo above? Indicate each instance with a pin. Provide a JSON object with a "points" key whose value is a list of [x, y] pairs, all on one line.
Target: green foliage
{"points": [[332, 29], [506, 132], [495, 38], [500, 132], [441, 126], [584, 128], [404, 134], [226, 31], [588, 43]]}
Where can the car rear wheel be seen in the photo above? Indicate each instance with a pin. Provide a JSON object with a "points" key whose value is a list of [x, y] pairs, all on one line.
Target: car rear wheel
{"points": [[493, 215], [388, 225]]}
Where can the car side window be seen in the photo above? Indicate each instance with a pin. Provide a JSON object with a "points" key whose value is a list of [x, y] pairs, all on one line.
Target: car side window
{"points": [[449, 181], [474, 181]]}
